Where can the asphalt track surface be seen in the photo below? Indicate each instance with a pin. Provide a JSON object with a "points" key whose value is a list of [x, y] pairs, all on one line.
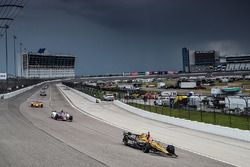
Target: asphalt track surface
{"points": [[29, 137], [218, 147]]}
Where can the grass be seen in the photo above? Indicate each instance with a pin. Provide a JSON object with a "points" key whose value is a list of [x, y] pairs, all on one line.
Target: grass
{"points": [[222, 119]]}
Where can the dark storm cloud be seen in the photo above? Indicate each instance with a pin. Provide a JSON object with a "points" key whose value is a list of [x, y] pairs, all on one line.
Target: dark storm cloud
{"points": [[134, 35], [165, 16]]}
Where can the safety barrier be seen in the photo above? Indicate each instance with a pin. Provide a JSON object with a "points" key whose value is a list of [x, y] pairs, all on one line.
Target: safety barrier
{"points": [[90, 98], [17, 92]]}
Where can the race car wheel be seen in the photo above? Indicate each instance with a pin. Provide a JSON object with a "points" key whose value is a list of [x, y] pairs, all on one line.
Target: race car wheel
{"points": [[71, 118], [56, 117], [125, 140], [170, 149], [146, 148], [31, 105], [41, 105]]}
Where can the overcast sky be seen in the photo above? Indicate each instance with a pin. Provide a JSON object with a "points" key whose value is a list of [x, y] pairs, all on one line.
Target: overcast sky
{"points": [[109, 36]]}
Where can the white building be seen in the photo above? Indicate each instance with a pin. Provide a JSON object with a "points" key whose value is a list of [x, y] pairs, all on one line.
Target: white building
{"points": [[45, 65]]}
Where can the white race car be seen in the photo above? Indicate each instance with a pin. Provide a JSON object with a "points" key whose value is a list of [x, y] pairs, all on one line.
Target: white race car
{"points": [[63, 116]]}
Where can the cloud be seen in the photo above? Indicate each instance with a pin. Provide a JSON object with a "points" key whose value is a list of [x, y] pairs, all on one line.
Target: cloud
{"points": [[226, 47]]}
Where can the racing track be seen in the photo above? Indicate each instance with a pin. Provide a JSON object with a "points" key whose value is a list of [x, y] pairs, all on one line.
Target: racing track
{"points": [[24, 145], [36, 140]]}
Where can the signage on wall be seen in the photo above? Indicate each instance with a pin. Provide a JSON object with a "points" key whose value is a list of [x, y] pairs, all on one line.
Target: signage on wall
{"points": [[3, 76]]}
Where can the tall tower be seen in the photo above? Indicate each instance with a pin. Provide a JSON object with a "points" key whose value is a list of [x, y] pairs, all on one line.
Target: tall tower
{"points": [[185, 60]]}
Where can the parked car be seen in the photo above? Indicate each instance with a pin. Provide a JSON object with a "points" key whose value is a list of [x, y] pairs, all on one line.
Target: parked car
{"points": [[150, 96], [108, 97]]}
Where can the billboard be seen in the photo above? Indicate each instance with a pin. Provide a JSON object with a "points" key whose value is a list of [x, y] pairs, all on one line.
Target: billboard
{"points": [[3, 76], [204, 58]]}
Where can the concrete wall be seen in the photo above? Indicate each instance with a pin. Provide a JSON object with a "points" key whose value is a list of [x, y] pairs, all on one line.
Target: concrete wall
{"points": [[17, 92], [208, 128], [90, 98]]}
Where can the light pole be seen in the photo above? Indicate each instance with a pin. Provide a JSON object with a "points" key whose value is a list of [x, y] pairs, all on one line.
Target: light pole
{"points": [[14, 37], [6, 50], [6, 46], [21, 58]]}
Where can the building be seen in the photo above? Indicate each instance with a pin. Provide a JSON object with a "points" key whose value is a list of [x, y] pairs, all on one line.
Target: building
{"points": [[185, 60], [199, 61], [45, 65], [237, 62], [208, 61]]}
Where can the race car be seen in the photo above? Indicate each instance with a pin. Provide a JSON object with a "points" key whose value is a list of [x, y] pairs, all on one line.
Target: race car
{"points": [[43, 93], [36, 104], [145, 143], [63, 116]]}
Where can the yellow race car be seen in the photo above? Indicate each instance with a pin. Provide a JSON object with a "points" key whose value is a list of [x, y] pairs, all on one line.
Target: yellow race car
{"points": [[145, 143], [37, 104]]}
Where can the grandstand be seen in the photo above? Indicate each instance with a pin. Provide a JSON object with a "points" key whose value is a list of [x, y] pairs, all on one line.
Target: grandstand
{"points": [[46, 65], [238, 62]]}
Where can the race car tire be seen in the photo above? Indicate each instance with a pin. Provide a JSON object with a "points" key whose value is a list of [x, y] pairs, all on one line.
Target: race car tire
{"points": [[31, 105], [170, 149], [56, 117], [146, 148], [41, 105], [71, 118], [125, 140]]}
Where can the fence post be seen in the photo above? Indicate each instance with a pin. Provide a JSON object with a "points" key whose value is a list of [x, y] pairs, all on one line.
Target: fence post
{"points": [[201, 116], [156, 108], [170, 111], [248, 120], [189, 114], [150, 107], [214, 116], [230, 119], [179, 110]]}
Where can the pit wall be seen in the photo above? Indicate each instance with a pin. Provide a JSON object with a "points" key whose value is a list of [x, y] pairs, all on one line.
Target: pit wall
{"points": [[208, 128]]}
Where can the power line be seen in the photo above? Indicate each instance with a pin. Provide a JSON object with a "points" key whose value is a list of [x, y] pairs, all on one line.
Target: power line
{"points": [[10, 10]]}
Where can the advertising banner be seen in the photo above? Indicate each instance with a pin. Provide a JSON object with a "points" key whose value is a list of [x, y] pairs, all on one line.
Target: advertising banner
{"points": [[3, 76]]}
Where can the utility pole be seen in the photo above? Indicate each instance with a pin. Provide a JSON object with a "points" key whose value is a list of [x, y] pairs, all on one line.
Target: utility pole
{"points": [[6, 50], [15, 72], [6, 34], [21, 58]]}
